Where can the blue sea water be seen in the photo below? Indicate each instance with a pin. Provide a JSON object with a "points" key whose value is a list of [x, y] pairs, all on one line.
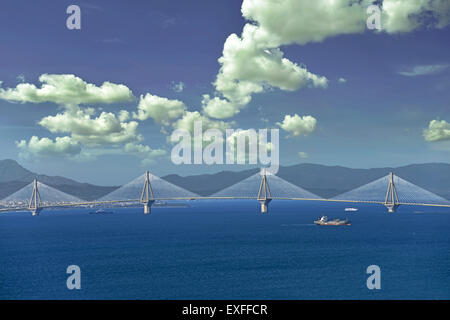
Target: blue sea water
{"points": [[227, 250]]}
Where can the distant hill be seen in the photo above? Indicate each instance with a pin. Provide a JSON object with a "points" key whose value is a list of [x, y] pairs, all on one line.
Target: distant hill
{"points": [[13, 177], [325, 181]]}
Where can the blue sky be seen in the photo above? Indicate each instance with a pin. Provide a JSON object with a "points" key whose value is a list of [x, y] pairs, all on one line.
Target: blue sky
{"points": [[397, 81]]}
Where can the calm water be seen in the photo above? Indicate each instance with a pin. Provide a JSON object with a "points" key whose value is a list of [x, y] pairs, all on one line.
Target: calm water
{"points": [[226, 250]]}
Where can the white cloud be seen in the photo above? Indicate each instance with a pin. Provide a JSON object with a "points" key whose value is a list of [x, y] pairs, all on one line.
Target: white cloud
{"points": [[146, 153], [424, 70], [301, 22], [67, 89], [45, 147], [218, 108], [252, 144], [84, 127], [177, 87], [297, 125], [437, 131], [160, 109], [295, 21], [189, 118], [342, 80], [408, 15], [248, 68], [252, 62]]}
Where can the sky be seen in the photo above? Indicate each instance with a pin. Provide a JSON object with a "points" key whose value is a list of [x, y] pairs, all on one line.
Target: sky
{"points": [[98, 104]]}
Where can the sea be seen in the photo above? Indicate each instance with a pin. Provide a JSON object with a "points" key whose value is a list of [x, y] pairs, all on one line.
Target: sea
{"points": [[227, 250]]}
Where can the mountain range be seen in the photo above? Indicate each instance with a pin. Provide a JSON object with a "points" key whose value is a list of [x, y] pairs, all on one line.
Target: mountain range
{"points": [[14, 177], [325, 181]]}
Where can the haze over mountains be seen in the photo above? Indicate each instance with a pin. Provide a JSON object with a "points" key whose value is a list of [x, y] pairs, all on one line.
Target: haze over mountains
{"points": [[325, 181], [13, 177]]}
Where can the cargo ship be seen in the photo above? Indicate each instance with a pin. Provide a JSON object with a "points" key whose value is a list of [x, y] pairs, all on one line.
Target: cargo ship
{"points": [[323, 221]]}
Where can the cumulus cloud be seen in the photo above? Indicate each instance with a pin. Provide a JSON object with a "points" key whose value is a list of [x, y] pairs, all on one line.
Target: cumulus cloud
{"points": [[146, 153], [342, 80], [423, 70], [437, 131], [190, 117], [67, 89], [90, 133], [253, 61], [91, 130], [301, 22], [247, 68], [45, 147], [219, 108], [407, 15], [245, 145], [161, 110], [297, 125]]}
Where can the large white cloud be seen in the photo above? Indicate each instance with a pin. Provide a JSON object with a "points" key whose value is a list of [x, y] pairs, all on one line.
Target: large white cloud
{"points": [[160, 109], [254, 61], [45, 147], [67, 89], [299, 21], [438, 130], [248, 68], [407, 15], [188, 120], [85, 127], [89, 133], [297, 125], [285, 22]]}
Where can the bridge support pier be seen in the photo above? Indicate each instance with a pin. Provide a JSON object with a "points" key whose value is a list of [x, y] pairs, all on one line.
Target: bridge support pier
{"points": [[35, 212], [264, 195], [391, 201], [392, 207], [265, 205], [148, 207], [147, 197], [35, 200]]}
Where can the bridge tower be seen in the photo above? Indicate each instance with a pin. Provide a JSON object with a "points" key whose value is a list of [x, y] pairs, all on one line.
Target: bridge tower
{"points": [[147, 197], [264, 195], [391, 202], [35, 200]]}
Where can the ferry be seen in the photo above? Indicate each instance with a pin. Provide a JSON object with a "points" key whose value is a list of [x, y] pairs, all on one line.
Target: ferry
{"points": [[351, 209], [323, 221]]}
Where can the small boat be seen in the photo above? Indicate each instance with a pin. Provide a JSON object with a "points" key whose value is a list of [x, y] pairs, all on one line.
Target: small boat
{"points": [[101, 211], [351, 209], [323, 221]]}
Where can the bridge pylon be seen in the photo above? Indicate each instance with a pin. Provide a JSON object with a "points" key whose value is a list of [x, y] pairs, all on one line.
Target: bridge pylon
{"points": [[391, 202], [35, 201], [264, 195], [147, 197]]}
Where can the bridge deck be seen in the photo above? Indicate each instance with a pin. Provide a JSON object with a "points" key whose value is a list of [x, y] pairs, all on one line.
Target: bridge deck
{"points": [[89, 203]]}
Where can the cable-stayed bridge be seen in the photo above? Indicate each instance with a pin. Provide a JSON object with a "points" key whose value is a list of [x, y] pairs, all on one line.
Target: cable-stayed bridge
{"points": [[390, 191]]}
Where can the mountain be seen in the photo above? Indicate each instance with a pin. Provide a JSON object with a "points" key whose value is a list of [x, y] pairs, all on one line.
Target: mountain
{"points": [[14, 177], [325, 181]]}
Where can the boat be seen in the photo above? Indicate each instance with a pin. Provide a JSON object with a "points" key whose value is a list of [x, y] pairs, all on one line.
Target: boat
{"points": [[323, 221], [351, 209], [101, 211]]}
